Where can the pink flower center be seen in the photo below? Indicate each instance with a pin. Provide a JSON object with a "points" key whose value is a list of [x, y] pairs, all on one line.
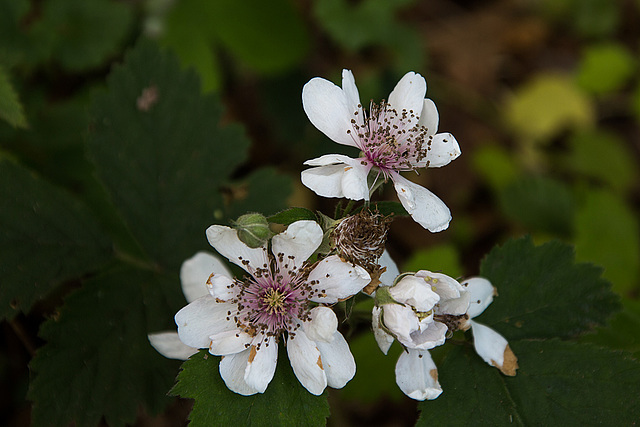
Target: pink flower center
{"points": [[391, 140], [271, 302]]}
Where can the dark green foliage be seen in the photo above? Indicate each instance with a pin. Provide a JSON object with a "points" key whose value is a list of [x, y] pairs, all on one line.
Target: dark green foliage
{"points": [[284, 403], [46, 237]]}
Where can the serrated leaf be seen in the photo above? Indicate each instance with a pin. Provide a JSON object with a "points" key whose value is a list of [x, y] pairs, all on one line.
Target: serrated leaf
{"points": [[605, 68], [539, 204], [264, 191], [83, 34], [158, 148], [534, 112], [605, 222], [292, 215], [558, 383], [98, 361], [10, 107], [543, 292], [285, 402], [46, 237], [622, 331]]}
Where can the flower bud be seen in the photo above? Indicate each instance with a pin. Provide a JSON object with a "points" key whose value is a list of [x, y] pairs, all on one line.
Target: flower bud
{"points": [[253, 229]]}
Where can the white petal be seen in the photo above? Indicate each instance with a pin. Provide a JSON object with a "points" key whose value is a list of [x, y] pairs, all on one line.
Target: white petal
{"points": [[221, 287], [442, 150], [328, 159], [306, 362], [400, 320], [493, 348], [354, 181], [480, 294], [429, 117], [351, 91], [325, 181], [229, 342], [322, 326], [336, 280], [417, 375], [232, 369], [169, 345], [427, 338], [225, 240], [454, 298], [391, 271], [196, 270], [201, 319], [416, 292], [300, 240], [409, 93], [383, 339], [261, 364], [423, 206], [337, 360], [329, 109]]}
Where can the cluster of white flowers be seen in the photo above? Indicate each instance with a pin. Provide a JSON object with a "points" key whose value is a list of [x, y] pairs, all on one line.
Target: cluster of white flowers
{"points": [[290, 286]]}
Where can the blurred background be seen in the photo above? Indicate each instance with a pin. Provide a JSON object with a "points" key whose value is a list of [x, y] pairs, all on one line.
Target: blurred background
{"points": [[543, 97]]}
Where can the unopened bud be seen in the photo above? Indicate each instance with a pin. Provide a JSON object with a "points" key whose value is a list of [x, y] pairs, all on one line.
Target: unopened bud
{"points": [[253, 229]]}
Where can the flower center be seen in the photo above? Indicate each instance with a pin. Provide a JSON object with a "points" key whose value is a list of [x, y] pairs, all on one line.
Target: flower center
{"points": [[391, 140], [274, 301]]}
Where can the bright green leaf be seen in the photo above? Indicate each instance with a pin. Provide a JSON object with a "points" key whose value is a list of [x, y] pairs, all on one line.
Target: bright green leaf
{"points": [[539, 204], [608, 234], [543, 293], [442, 258], [10, 107], [98, 361], [285, 402], [558, 383], [547, 105], [159, 149], [46, 237], [603, 156], [83, 33], [605, 68]]}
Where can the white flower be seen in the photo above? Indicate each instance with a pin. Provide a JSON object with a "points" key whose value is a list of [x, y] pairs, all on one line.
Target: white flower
{"points": [[194, 274], [490, 345], [397, 135], [243, 320], [446, 301], [420, 310]]}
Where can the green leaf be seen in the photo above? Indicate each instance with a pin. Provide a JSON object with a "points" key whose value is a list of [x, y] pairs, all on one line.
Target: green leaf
{"points": [[558, 383], [83, 34], [442, 258], [534, 112], [603, 156], [292, 215], [285, 402], [539, 204], [605, 68], [543, 293], [495, 165], [98, 361], [46, 237], [10, 107], [158, 148], [264, 191], [622, 332], [608, 233]]}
